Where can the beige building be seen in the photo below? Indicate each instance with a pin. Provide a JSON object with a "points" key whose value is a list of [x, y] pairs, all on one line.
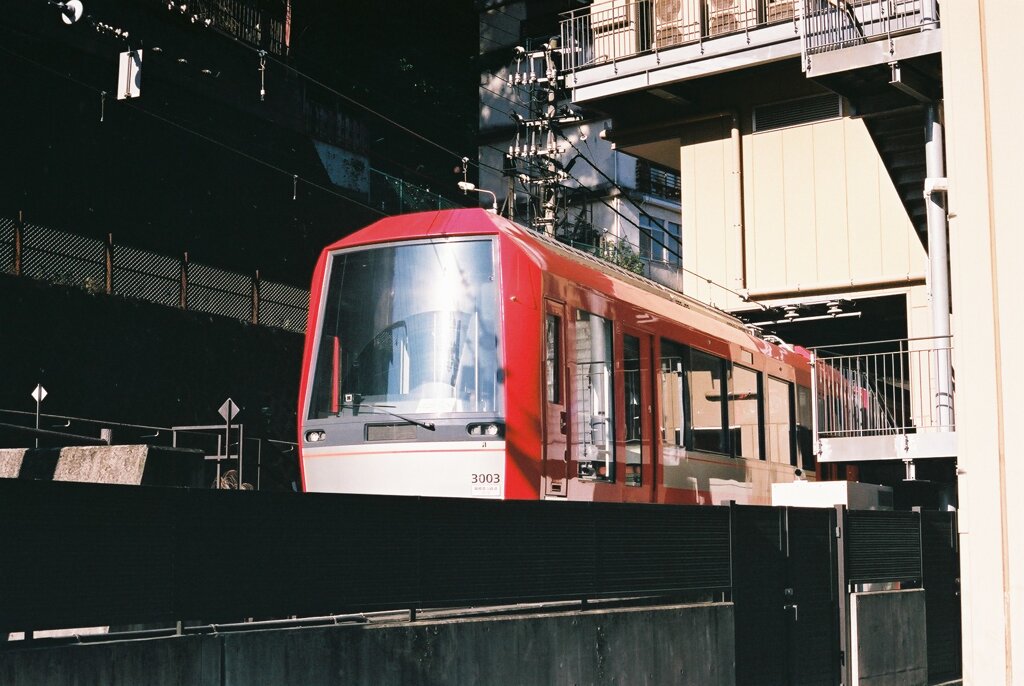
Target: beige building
{"points": [[812, 141], [983, 104]]}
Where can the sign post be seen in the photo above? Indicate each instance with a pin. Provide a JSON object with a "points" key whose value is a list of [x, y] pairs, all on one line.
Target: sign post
{"points": [[229, 410], [39, 393]]}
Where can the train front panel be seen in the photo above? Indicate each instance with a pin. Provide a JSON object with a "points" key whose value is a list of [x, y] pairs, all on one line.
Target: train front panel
{"points": [[405, 389]]}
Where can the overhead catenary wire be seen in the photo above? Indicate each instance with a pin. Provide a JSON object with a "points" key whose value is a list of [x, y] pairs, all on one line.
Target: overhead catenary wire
{"points": [[681, 268], [313, 80]]}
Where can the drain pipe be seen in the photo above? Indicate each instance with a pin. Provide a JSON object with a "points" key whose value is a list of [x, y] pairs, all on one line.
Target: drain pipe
{"points": [[739, 230], [938, 264]]}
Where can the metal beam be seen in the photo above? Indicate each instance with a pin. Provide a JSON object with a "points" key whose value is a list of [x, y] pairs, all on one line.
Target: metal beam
{"points": [[912, 82]]}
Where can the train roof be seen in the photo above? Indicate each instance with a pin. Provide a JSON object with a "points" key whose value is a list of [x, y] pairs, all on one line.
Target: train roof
{"points": [[556, 257]]}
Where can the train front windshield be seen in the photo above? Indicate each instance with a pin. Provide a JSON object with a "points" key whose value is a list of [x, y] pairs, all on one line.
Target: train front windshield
{"points": [[411, 329]]}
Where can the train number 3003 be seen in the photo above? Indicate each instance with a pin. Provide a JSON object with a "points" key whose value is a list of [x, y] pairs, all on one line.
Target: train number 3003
{"points": [[487, 478]]}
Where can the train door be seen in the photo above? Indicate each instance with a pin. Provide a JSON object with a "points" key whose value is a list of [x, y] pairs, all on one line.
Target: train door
{"points": [[556, 389], [638, 414]]}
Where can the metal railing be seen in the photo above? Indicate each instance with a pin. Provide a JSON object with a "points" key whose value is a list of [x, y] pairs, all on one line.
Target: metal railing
{"points": [[392, 195], [833, 25], [247, 454], [883, 388], [98, 266], [611, 30]]}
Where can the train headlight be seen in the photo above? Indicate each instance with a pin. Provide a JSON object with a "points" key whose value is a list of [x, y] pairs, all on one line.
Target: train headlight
{"points": [[315, 436], [486, 429]]}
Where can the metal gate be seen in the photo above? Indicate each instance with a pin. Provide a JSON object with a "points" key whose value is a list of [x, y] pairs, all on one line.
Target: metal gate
{"points": [[941, 576], [784, 590]]}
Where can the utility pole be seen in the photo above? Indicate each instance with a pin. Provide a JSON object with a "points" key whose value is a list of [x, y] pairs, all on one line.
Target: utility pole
{"points": [[534, 156]]}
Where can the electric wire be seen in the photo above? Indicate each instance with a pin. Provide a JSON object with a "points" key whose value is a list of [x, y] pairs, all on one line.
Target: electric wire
{"points": [[313, 80]]}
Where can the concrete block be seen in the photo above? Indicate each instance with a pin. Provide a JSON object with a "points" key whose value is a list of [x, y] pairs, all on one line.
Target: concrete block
{"points": [[108, 464], [10, 462], [889, 643], [120, 464]]}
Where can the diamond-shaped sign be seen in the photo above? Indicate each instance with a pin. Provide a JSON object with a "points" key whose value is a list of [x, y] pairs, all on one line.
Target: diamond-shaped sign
{"points": [[39, 393], [229, 409]]}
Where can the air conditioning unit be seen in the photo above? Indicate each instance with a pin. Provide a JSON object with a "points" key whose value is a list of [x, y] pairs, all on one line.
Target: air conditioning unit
{"points": [[728, 16], [779, 10], [675, 22], [613, 24]]}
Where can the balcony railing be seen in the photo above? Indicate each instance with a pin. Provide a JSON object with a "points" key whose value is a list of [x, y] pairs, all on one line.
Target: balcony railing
{"points": [[885, 388], [611, 30], [830, 25]]}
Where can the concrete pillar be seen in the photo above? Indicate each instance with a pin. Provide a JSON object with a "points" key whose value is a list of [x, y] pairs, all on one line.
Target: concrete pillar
{"points": [[985, 146]]}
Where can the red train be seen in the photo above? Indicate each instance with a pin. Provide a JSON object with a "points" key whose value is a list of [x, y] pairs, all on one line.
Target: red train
{"points": [[455, 353]]}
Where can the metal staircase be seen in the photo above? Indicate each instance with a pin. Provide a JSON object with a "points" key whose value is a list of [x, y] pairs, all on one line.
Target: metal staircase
{"points": [[884, 57]]}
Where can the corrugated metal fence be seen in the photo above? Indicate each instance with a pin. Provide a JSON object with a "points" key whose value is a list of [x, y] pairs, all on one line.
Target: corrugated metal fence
{"points": [[99, 266]]}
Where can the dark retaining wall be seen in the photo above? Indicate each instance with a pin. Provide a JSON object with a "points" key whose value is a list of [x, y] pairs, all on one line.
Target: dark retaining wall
{"points": [[109, 358], [681, 644]]}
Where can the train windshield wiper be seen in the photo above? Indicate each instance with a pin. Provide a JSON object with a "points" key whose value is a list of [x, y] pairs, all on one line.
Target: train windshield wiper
{"points": [[358, 404]]}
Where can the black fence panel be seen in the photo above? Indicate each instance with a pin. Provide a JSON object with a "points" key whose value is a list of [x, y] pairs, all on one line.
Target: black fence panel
{"points": [[883, 546], [941, 558], [285, 554], [814, 636], [760, 579], [494, 551], [653, 549], [88, 554], [75, 556]]}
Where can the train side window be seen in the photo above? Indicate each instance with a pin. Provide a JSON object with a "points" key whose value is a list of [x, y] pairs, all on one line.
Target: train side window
{"points": [[552, 361], [745, 413], [705, 380], [804, 429], [633, 407], [672, 394], [593, 406], [778, 421]]}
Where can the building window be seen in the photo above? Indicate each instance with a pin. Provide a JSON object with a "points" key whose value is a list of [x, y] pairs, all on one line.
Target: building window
{"points": [[657, 181], [660, 240]]}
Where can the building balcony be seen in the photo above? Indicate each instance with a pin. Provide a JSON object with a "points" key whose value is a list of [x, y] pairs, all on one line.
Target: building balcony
{"points": [[643, 43], [860, 33], [616, 46], [886, 400]]}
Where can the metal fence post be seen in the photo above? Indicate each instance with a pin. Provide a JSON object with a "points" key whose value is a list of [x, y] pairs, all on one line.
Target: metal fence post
{"points": [[843, 601], [256, 298], [108, 251], [18, 238], [183, 283]]}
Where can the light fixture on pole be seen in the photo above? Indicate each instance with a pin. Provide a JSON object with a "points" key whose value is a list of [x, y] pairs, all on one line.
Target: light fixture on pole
{"points": [[466, 186]]}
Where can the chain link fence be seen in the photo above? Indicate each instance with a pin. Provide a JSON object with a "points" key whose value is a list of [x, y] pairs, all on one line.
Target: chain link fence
{"points": [[100, 266]]}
